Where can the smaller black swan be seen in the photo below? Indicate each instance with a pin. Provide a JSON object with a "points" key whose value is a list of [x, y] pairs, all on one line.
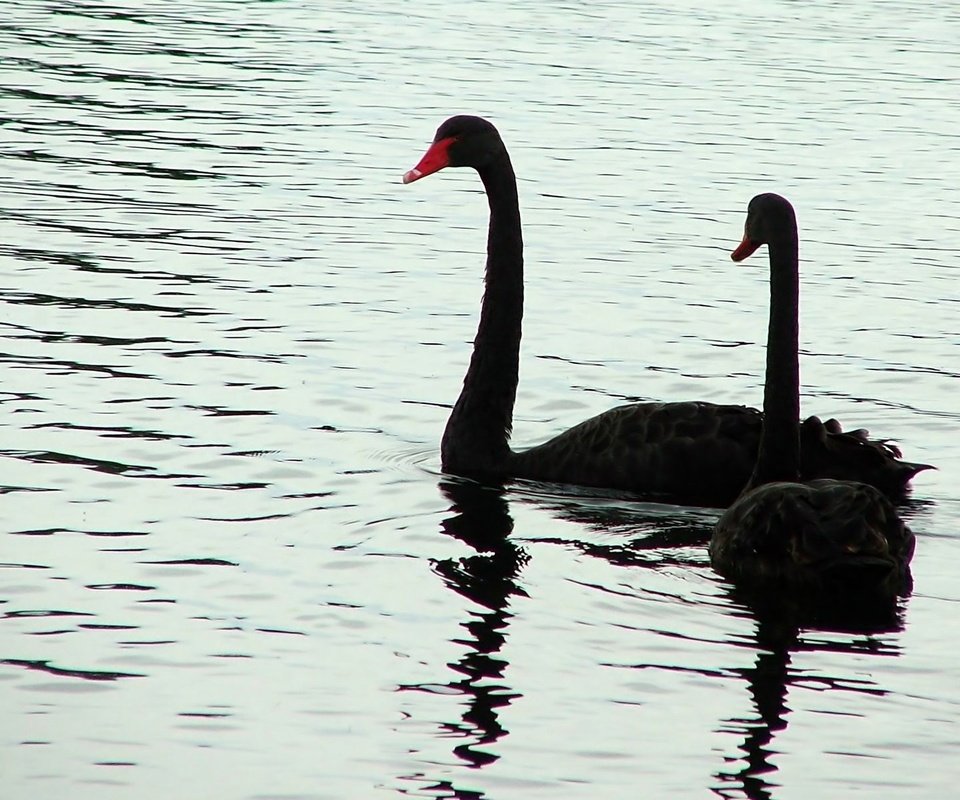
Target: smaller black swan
{"points": [[782, 531]]}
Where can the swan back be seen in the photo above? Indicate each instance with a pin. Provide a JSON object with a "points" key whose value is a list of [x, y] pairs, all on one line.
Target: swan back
{"points": [[825, 534]]}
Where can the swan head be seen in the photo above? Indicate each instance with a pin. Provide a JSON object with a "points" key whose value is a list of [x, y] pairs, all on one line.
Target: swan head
{"points": [[769, 216], [461, 141]]}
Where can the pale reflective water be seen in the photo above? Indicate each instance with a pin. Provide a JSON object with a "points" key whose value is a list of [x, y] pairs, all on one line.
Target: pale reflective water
{"points": [[230, 339]]}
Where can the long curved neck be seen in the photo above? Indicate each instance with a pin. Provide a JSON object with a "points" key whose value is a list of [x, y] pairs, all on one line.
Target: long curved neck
{"points": [[779, 455], [477, 435]]}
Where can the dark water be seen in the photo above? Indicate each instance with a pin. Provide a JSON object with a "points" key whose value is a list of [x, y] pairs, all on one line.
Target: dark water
{"points": [[230, 340]]}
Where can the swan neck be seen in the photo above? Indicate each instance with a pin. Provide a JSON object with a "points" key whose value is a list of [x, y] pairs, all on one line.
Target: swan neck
{"points": [[477, 436], [778, 458]]}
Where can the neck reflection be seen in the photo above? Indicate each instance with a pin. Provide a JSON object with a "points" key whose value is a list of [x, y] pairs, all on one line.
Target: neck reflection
{"points": [[480, 519], [778, 636]]}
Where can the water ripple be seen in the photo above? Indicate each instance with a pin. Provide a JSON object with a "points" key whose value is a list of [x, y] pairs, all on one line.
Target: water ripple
{"points": [[231, 338]]}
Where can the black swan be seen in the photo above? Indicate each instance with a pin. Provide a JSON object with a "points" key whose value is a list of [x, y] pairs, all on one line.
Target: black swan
{"points": [[783, 530], [691, 452]]}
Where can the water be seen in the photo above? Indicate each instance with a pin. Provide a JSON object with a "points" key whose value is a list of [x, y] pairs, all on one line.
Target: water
{"points": [[230, 340]]}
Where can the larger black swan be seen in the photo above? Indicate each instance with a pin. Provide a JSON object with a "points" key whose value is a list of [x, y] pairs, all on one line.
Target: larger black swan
{"points": [[782, 530], [697, 453]]}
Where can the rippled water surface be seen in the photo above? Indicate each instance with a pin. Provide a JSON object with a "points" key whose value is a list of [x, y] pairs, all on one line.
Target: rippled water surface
{"points": [[230, 339]]}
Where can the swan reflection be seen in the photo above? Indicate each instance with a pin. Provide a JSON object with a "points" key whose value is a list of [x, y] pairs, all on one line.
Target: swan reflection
{"points": [[779, 623], [479, 518]]}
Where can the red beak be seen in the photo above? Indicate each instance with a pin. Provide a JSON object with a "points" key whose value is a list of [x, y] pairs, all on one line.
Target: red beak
{"points": [[436, 158], [746, 247]]}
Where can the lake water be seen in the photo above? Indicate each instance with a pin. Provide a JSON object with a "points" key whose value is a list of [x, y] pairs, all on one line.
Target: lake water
{"points": [[231, 337]]}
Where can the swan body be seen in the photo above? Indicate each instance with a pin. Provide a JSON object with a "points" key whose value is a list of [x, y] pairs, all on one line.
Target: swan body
{"points": [[824, 534], [693, 452], [784, 530]]}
